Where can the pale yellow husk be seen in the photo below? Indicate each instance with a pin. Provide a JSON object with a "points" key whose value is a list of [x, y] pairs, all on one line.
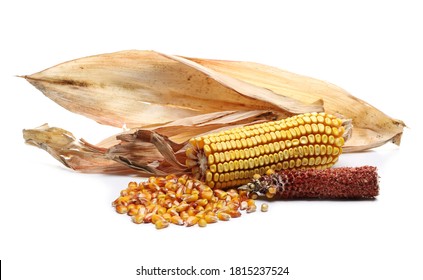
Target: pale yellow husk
{"points": [[372, 128], [139, 88]]}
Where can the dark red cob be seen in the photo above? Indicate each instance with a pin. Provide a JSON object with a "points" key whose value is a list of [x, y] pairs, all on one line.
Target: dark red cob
{"points": [[333, 183]]}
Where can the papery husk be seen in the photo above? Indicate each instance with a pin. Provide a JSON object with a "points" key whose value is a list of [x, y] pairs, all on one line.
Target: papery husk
{"points": [[372, 127], [142, 152], [150, 90], [138, 153], [78, 155], [140, 88]]}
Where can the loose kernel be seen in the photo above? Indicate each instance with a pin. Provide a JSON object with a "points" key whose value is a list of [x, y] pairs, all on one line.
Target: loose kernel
{"points": [[234, 213], [192, 220], [161, 210], [156, 217], [232, 193], [121, 209], [200, 214], [191, 211], [264, 207], [207, 194], [210, 219], [160, 224], [191, 198], [251, 209], [176, 220], [202, 202], [220, 194], [202, 223], [184, 215], [138, 219], [221, 204], [209, 206], [251, 202], [132, 211], [223, 216], [148, 217], [167, 216], [181, 207], [182, 180]]}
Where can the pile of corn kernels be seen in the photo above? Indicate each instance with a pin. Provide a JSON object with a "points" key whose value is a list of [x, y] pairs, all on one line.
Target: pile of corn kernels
{"points": [[181, 201]]}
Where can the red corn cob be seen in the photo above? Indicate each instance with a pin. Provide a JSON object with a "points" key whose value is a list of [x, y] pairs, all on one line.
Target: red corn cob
{"points": [[333, 183]]}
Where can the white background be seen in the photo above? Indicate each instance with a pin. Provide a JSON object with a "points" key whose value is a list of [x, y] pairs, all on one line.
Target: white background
{"points": [[58, 224]]}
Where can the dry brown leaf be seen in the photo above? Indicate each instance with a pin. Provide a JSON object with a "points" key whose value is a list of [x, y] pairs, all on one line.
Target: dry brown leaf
{"points": [[143, 152], [75, 154]]}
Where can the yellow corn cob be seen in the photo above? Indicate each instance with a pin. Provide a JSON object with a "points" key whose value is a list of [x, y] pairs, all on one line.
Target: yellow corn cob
{"points": [[230, 158]]}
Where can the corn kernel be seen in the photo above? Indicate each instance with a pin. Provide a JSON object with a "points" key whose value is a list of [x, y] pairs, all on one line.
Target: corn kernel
{"points": [[264, 207], [160, 224], [156, 217], [192, 220], [202, 223], [223, 216], [251, 209], [138, 219], [121, 209], [176, 220]]}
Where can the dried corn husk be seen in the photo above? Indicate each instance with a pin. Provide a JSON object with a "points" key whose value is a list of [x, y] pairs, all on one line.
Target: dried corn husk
{"points": [[137, 151], [75, 154], [142, 88], [176, 98], [372, 128], [139, 88], [128, 157]]}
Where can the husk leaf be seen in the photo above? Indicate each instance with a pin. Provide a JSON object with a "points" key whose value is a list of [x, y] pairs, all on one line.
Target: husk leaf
{"points": [[372, 127], [76, 154], [143, 153], [139, 152], [140, 88]]}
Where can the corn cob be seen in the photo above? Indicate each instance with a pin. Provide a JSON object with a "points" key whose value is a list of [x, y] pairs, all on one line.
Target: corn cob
{"points": [[230, 158], [333, 183]]}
